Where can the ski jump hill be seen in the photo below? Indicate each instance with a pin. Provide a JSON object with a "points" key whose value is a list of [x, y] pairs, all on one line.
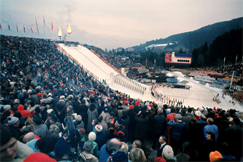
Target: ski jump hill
{"points": [[101, 70], [198, 95]]}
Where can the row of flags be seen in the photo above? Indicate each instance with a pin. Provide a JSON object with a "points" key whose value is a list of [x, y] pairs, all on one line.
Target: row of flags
{"points": [[31, 29]]}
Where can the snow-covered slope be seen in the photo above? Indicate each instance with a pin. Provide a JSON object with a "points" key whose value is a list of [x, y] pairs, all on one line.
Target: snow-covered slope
{"points": [[198, 95]]}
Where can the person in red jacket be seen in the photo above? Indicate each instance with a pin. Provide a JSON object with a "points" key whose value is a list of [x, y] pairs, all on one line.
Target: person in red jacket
{"points": [[169, 117], [24, 113]]}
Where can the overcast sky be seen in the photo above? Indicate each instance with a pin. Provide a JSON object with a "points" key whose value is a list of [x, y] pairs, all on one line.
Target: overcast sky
{"points": [[115, 23]]}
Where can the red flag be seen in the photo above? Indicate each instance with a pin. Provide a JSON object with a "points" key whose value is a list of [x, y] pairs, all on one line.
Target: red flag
{"points": [[17, 28], [52, 27], [0, 26], [31, 29], [36, 24]]}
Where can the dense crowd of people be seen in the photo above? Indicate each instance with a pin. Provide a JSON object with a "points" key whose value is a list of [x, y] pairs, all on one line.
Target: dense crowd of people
{"points": [[110, 125], [115, 61]]}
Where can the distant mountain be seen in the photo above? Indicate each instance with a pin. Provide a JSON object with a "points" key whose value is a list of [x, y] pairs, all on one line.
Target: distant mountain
{"points": [[190, 40]]}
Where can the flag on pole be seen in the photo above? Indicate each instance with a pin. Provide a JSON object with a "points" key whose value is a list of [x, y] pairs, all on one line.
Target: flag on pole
{"points": [[52, 27], [8, 26], [0, 27], [44, 22], [24, 28], [36, 23], [31, 29], [17, 28]]}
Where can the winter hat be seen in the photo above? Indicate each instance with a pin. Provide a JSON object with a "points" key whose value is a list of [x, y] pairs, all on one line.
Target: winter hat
{"points": [[70, 107], [16, 101], [159, 159], [92, 136], [150, 105], [147, 104], [38, 157], [54, 129], [62, 97], [125, 102], [49, 111], [178, 116], [82, 131], [39, 94], [131, 107], [107, 109], [6, 107], [12, 120], [92, 105], [49, 94], [198, 113], [119, 156], [21, 107], [70, 96], [214, 156], [62, 146], [78, 118], [37, 121], [98, 128], [137, 103], [124, 112], [119, 122], [168, 152]]}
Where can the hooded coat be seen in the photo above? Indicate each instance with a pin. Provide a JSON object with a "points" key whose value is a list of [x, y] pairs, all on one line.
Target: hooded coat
{"points": [[24, 113]]}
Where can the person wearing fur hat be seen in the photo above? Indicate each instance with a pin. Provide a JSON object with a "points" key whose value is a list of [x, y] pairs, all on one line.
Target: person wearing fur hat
{"points": [[121, 130], [79, 123], [92, 138], [101, 136]]}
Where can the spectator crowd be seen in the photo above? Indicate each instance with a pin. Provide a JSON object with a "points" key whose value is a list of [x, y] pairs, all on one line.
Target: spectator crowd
{"points": [[41, 89], [115, 61]]}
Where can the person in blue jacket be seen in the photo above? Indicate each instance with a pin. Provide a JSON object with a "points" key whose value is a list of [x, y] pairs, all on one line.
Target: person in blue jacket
{"points": [[210, 127], [177, 132]]}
